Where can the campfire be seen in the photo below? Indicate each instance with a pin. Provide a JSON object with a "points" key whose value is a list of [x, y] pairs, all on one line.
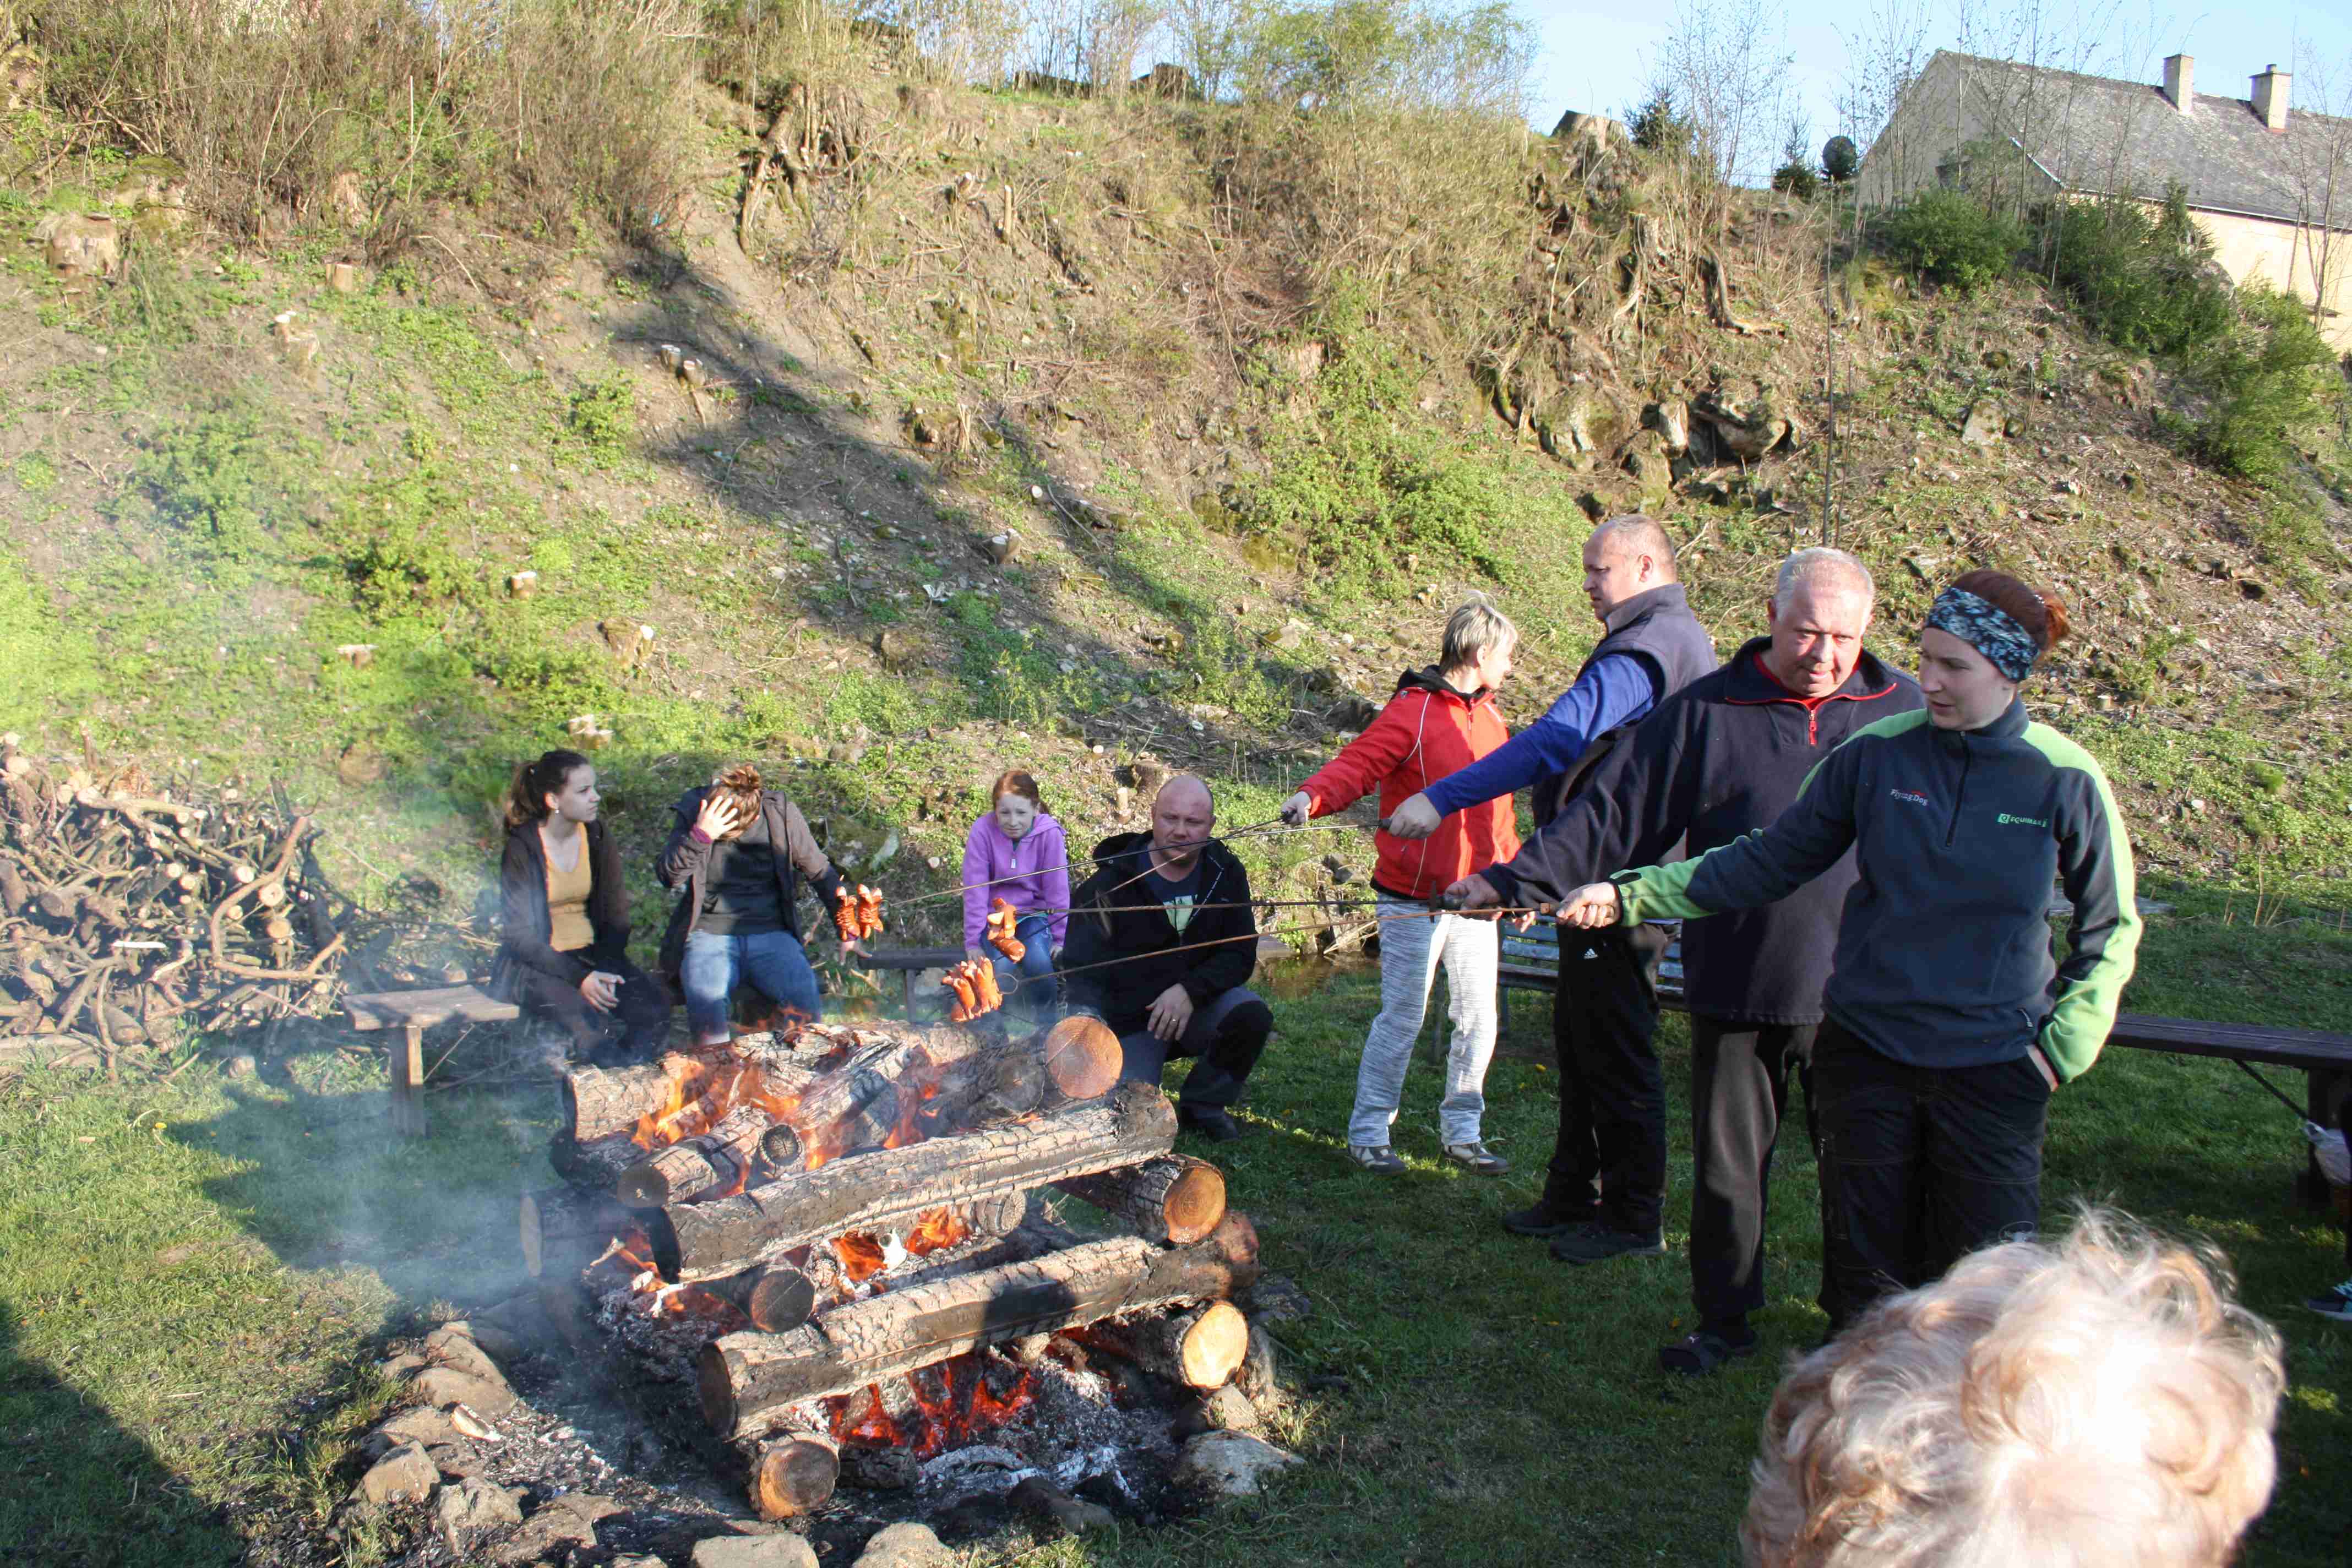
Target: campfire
{"points": [[826, 1234]]}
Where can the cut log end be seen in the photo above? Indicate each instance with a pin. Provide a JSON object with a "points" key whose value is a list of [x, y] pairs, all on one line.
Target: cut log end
{"points": [[794, 1477], [1213, 1346], [782, 1301], [1082, 1057], [1195, 1204]]}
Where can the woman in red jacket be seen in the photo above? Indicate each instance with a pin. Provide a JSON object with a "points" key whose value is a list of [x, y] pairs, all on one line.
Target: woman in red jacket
{"points": [[1442, 719]]}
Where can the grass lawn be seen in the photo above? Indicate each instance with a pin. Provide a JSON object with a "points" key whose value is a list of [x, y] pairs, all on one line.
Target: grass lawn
{"points": [[192, 1276]]}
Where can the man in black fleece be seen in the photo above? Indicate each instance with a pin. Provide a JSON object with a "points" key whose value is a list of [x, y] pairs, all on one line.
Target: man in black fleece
{"points": [[1719, 760], [1162, 939]]}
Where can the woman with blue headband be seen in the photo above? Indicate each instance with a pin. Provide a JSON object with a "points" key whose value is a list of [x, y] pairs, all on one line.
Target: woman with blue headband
{"points": [[1951, 1022]]}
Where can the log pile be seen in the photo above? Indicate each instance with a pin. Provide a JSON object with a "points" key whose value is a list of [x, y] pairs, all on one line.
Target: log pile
{"points": [[836, 1217], [129, 913]]}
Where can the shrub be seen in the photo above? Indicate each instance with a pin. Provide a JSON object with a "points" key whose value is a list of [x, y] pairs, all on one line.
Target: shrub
{"points": [[2271, 380], [1951, 238], [219, 481], [604, 416], [1658, 127], [1796, 177], [2146, 284]]}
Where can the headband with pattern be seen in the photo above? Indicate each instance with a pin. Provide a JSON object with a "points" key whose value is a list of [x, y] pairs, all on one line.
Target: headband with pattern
{"points": [[1988, 628]]}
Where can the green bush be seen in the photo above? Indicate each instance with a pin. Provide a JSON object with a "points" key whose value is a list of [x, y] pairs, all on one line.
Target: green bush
{"points": [[2146, 284], [394, 547], [1796, 177], [604, 416], [1951, 238], [2273, 379], [220, 482]]}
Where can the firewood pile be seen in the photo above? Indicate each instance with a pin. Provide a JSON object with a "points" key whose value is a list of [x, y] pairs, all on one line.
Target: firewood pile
{"points": [[128, 913], [831, 1237]]}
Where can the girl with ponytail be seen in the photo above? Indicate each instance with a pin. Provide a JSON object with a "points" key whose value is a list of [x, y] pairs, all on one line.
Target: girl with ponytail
{"points": [[563, 943]]}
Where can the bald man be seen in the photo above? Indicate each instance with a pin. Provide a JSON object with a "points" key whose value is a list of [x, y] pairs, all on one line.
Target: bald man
{"points": [[1607, 1178], [1162, 939]]}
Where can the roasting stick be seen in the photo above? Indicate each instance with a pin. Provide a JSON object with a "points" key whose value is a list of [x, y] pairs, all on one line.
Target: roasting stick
{"points": [[1253, 936], [1260, 832]]}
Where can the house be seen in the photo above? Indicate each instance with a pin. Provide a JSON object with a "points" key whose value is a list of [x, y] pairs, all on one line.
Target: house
{"points": [[2272, 187]]}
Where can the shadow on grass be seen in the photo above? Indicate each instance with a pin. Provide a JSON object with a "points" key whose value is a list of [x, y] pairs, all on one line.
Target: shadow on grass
{"points": [[76, 1488]]}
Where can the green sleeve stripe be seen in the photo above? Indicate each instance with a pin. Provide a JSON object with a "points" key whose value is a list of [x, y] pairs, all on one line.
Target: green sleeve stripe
{"points": [[2085, 1012], [1658, 892]]}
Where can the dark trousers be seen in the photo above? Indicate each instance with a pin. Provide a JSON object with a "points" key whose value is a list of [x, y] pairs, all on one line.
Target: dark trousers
{"points": [[1227, 1034], [639, 1019], [1612, 1095], [1739, 1093], [1918, 1166]]}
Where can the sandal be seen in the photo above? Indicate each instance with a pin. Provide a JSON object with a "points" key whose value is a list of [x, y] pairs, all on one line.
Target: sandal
{"points": [[1702, 1351]]}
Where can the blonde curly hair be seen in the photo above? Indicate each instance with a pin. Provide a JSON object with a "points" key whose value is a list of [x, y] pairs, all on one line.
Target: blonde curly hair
{"points": [[2098, 1400]]}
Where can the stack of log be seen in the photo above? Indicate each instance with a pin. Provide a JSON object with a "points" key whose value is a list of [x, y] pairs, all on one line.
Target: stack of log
{"points": [[853, 1208], [129, 912]]}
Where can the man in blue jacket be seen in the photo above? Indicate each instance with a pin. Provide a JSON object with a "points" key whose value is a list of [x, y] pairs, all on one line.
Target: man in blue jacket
{"points": [[1720, 759], [1607, 1180]]}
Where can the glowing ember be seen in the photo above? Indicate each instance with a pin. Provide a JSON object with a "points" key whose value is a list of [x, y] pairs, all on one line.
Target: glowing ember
{"points": [[955, 1401], [936, 1228], [862, 1257], [634, 1254]]}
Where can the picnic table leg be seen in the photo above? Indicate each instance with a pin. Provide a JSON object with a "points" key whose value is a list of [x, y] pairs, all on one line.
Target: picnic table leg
{"points": [[407, 1067], [907, 984]]}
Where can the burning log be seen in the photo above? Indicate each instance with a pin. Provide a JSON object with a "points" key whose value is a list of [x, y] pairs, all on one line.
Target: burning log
{"points": [[599, 1162], [748, 1381], [795, 1477], [565, 1229], [777, 1298], [882, 1190], [1202, 1347], [1177, 1199], [717, 1162], [600, 1101]]}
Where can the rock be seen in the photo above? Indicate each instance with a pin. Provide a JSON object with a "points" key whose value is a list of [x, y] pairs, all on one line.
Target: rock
{"points": [[501, 1345], [566, 1521], [1985, 423], [441, 1386], [1038, 1496], [1671, 420], [242, 1065], [904, 1546], [781, 1550], [1256, 1377], [1277, 1299], [1230, 1410], [361, 765], [80, 245], [880, 1469], [399, 1366], [453, 1348], [635, 1562], [428, 1428], [471, 1509], [1230, 1464], [406, 1474]]}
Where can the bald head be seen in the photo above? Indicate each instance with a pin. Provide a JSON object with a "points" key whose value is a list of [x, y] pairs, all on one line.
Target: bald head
{"points": [[1626, 556], [1183, 817]]}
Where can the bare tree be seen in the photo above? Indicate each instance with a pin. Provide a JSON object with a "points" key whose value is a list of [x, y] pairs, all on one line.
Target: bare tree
{"points": [[1885, 54], [2319, 154], [1726, 63], [1213, 39]]}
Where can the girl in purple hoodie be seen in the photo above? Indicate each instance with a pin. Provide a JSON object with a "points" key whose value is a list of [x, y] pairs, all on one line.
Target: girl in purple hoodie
{"points": [[1016, 853]]}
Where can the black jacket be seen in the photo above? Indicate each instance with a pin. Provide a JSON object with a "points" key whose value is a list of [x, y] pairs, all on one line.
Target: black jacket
{"points": [[687, 856], [1220, 942], [1719, 759], [1657, 628], [1944, 947], [525, 924]]}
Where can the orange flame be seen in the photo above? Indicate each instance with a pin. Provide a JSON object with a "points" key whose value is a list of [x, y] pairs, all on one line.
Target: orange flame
{"points": [[634, 1254], [702, 1091], [955, 1400]]}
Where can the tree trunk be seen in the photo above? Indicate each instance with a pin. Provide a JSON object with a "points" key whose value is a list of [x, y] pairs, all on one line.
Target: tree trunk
{"points": [[565, 1229], [795, 1477], [747, 1381], [719, 1161], [1177, 1199], [1200, 1348], [596, 1163], [600, 1101], [881, 1191], [778, 1297]]}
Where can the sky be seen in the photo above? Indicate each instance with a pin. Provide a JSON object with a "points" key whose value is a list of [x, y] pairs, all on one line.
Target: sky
{"points": [[1596, 54]]}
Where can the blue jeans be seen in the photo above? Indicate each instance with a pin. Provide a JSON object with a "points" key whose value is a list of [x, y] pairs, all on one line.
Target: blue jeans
{"points": [[1036, 969], [772, 961]]}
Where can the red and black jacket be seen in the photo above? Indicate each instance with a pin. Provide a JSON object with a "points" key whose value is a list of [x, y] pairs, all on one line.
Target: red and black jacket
{"points": [[1716, 761]]}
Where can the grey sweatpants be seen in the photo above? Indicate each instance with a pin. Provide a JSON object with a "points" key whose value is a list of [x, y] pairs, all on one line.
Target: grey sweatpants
{"points": [[1413, 942]]}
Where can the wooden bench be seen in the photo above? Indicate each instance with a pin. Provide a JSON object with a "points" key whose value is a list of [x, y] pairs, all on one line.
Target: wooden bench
{"points": [[413, 1012], [1530, 961]]}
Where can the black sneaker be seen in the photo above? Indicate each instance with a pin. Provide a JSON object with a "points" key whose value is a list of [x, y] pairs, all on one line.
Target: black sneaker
{"points": [[1704, 1351], [2335, 1303], [1208, 1121], [1376, 1157], [1477, 1156], [1540, 1218], [1597, 1242]]}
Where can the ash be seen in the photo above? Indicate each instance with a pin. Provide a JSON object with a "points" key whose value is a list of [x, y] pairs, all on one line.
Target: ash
{"points": [[1074, 1432]]}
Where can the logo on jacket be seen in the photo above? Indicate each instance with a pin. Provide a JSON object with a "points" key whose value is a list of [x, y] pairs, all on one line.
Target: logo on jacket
{"points": [[2005, 819], [1913, 795]]}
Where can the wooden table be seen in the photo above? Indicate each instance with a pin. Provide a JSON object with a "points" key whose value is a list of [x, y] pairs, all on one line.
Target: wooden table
{"points": [[413, 1012]]}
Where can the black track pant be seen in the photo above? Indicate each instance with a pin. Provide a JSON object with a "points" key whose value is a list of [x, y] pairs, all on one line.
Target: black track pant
{"points": [[1226, 1037], [639, 1018], [1612, 1094], [1739, 1093], [1918, 1166]]}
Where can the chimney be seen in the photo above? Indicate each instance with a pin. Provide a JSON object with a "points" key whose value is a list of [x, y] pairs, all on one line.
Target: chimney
{"points": [[2270, 97], [2180, 71]]}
